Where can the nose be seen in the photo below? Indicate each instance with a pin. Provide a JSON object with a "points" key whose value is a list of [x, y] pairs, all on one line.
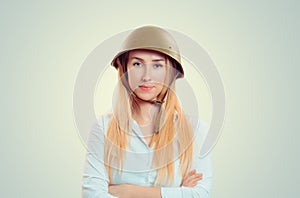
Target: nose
{"points": [[147, 73]]}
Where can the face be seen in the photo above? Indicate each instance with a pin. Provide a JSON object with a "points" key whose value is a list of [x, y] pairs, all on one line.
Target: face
{"points": [[146, 73]]}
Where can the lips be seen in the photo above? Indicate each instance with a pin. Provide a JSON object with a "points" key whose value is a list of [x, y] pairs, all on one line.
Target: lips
{"points": [[146, 87]]}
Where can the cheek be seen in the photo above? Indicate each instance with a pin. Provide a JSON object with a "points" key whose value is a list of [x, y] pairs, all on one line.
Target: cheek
{"points": [[160, 77], [133, 79]]}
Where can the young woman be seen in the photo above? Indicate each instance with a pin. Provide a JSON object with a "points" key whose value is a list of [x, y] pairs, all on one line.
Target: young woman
{"points": [[147, 147]]}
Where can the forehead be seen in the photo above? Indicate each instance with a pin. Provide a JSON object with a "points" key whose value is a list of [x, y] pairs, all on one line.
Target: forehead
{"points": [[142, 53]]}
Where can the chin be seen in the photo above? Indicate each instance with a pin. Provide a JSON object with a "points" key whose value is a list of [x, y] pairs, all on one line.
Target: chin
{"points": [[146, 97]]}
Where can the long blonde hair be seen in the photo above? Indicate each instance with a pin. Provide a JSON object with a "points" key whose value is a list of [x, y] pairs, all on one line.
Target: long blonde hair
{"points": [[166, 129]]}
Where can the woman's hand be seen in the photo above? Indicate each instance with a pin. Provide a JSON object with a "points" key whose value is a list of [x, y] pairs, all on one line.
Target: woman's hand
{"points": [[191, 179], [130, 190], [134, 191], [120, 190]]}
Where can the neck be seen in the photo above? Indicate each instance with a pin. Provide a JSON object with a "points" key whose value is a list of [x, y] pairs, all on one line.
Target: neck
{"points": [[146, 113]]}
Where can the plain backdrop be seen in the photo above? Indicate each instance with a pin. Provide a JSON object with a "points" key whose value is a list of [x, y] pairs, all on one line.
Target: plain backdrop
{"points": [[255, 45]]}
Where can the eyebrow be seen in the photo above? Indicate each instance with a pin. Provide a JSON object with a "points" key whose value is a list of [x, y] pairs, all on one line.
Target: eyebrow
{"points": [[140, 59], [158, 60]]}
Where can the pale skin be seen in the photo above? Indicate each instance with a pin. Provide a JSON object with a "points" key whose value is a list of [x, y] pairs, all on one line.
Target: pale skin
{"points": [[146, 75]]}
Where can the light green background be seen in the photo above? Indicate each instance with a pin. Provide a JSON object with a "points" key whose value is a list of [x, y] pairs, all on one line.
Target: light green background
{"points": [[255, 45]]}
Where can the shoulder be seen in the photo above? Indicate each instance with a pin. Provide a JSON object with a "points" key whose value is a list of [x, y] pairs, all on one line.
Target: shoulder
{"points": [[198, 125], [101, 124], [104, 119], [200, 130]]}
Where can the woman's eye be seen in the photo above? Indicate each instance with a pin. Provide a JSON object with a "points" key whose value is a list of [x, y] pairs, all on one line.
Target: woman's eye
{"points": [[137, 64], [157, 65]]}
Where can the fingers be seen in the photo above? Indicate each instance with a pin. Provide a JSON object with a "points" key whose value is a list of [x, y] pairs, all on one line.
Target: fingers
{"points": [[191, 179], [192, 172], [194, 181]]}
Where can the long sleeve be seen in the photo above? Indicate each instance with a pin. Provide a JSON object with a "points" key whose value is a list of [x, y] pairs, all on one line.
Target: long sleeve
{"points": [[201, 190], [95, 178], [201, 164]]}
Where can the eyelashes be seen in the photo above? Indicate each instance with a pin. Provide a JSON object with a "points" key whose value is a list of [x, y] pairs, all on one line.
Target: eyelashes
{"points": [[139, 64], [157, 65]]}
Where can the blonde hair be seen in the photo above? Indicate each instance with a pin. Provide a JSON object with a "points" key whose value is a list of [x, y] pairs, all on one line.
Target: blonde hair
{"points": [[166, 129]]}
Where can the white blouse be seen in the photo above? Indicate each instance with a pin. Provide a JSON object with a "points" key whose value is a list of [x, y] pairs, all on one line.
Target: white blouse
{"points": [[137, 168]]}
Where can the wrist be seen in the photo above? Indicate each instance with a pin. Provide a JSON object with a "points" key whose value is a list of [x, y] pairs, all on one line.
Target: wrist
{"points": [[144, 191]]}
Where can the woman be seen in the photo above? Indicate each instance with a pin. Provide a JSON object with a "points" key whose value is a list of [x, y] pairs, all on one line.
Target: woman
{"points": [[148, 147]]}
